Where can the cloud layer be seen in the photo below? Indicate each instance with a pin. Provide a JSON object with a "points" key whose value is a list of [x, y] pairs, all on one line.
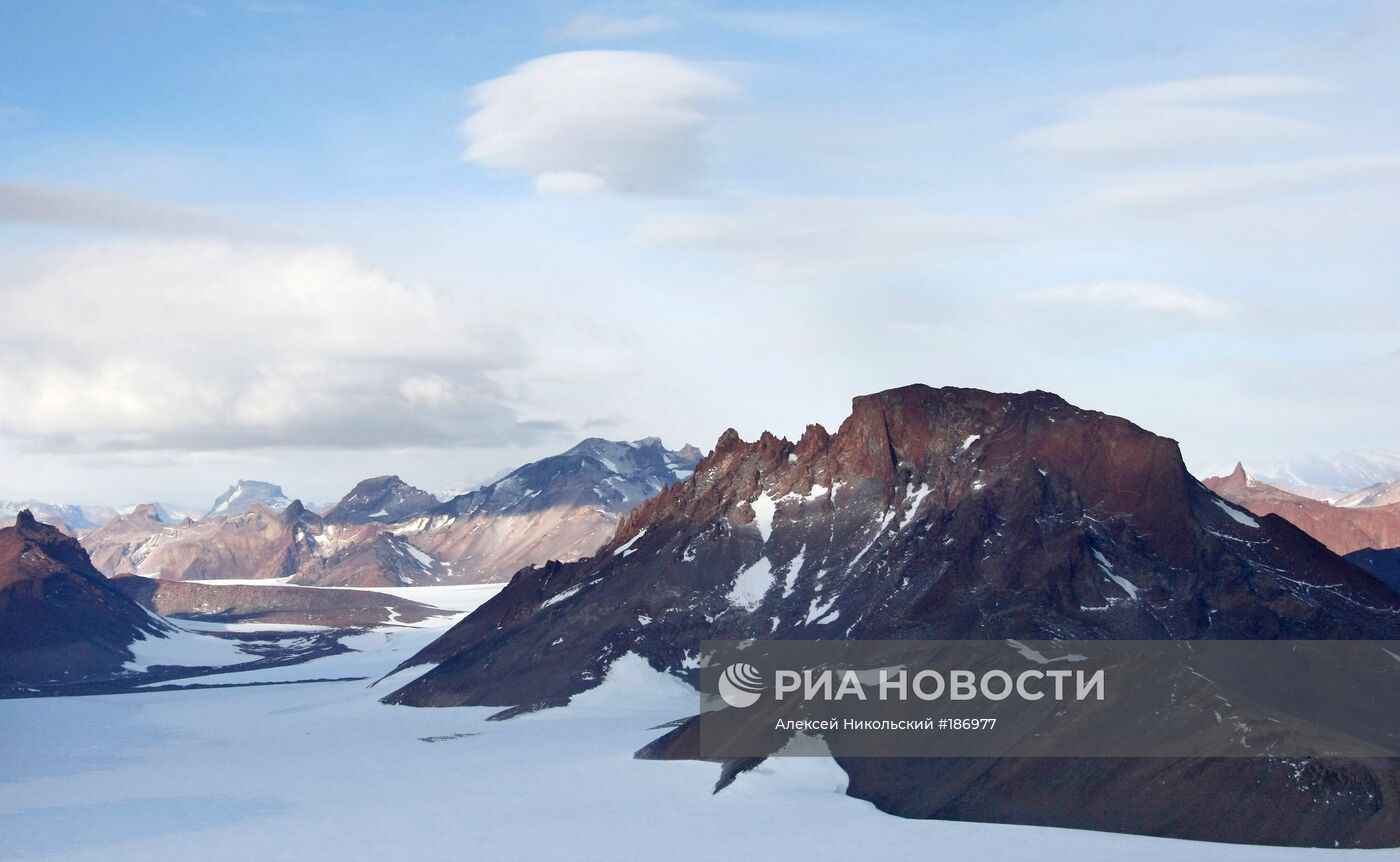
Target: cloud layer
{"points": [[1133, 296], [586, 122], [206, 345], [1174, 118]]}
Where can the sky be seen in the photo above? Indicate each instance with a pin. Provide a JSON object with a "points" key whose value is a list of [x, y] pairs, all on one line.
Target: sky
{"points": [[313, 242]]}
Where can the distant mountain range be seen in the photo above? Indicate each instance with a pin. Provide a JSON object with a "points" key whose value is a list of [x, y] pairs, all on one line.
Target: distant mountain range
{"points": [[385, 532], [1329, 477], [69, 518]]}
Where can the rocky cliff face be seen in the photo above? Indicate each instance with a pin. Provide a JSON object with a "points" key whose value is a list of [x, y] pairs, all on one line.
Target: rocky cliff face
{"points": [[60, 620], [940, 514], [1343, 529]]}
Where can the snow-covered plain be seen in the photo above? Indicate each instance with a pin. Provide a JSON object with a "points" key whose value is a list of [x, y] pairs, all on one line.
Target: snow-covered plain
{"points": [[324, 771]]}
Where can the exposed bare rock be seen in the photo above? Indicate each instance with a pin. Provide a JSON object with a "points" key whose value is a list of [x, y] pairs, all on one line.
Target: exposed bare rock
{"points": [[1343, 529], [271, 603]]}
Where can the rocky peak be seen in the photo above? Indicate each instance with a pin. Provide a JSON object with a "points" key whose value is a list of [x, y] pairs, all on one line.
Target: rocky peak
{"points": [[930, 513], [382, 499], [957, 441], [145, 511]]}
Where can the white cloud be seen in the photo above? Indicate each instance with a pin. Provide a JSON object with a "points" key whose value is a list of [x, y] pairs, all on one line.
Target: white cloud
{"points": [[792, 237], [1140, 296], [592, 121], [27, 203], [207, 345], [601, 27], [1173, 118], [1187, 189]]}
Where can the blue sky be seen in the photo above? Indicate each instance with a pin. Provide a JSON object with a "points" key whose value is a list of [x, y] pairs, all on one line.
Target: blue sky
{"points": [[312, 242]]}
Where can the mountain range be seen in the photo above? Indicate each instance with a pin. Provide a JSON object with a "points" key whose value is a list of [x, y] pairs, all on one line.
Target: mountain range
{"points": [[385, 532], [951, 514], [939, 514]]}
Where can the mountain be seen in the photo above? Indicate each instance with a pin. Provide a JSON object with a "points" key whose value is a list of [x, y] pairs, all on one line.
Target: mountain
{"points": [[1379, 494], [60, 619], [1342, 529], [1330, 477], [242, 495], [388, 533], [261, 544], [559, 508], [69, 517], [170, 513], [384, 499], [241, 603], [1384, 564], [950, 514]]}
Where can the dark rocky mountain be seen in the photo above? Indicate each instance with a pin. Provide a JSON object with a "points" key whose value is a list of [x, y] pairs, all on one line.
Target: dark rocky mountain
{"points": [[1384, 563], [383, 499], [271, 603], [559, 508], [1341, 528], [952, 514], [60, 619], [243, 495]]}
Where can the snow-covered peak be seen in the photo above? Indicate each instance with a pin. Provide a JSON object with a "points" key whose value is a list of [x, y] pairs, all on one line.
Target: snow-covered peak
{"points": [[242, 495]]}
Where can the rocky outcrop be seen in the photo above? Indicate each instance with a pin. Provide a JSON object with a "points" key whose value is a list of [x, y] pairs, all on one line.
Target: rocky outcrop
{"points": [[60, 620], [947, 514], [1343, 529], [240, 603]]}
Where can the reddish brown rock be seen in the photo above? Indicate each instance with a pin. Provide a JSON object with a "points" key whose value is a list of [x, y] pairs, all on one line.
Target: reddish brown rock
{"points": [[1343, 529]]}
